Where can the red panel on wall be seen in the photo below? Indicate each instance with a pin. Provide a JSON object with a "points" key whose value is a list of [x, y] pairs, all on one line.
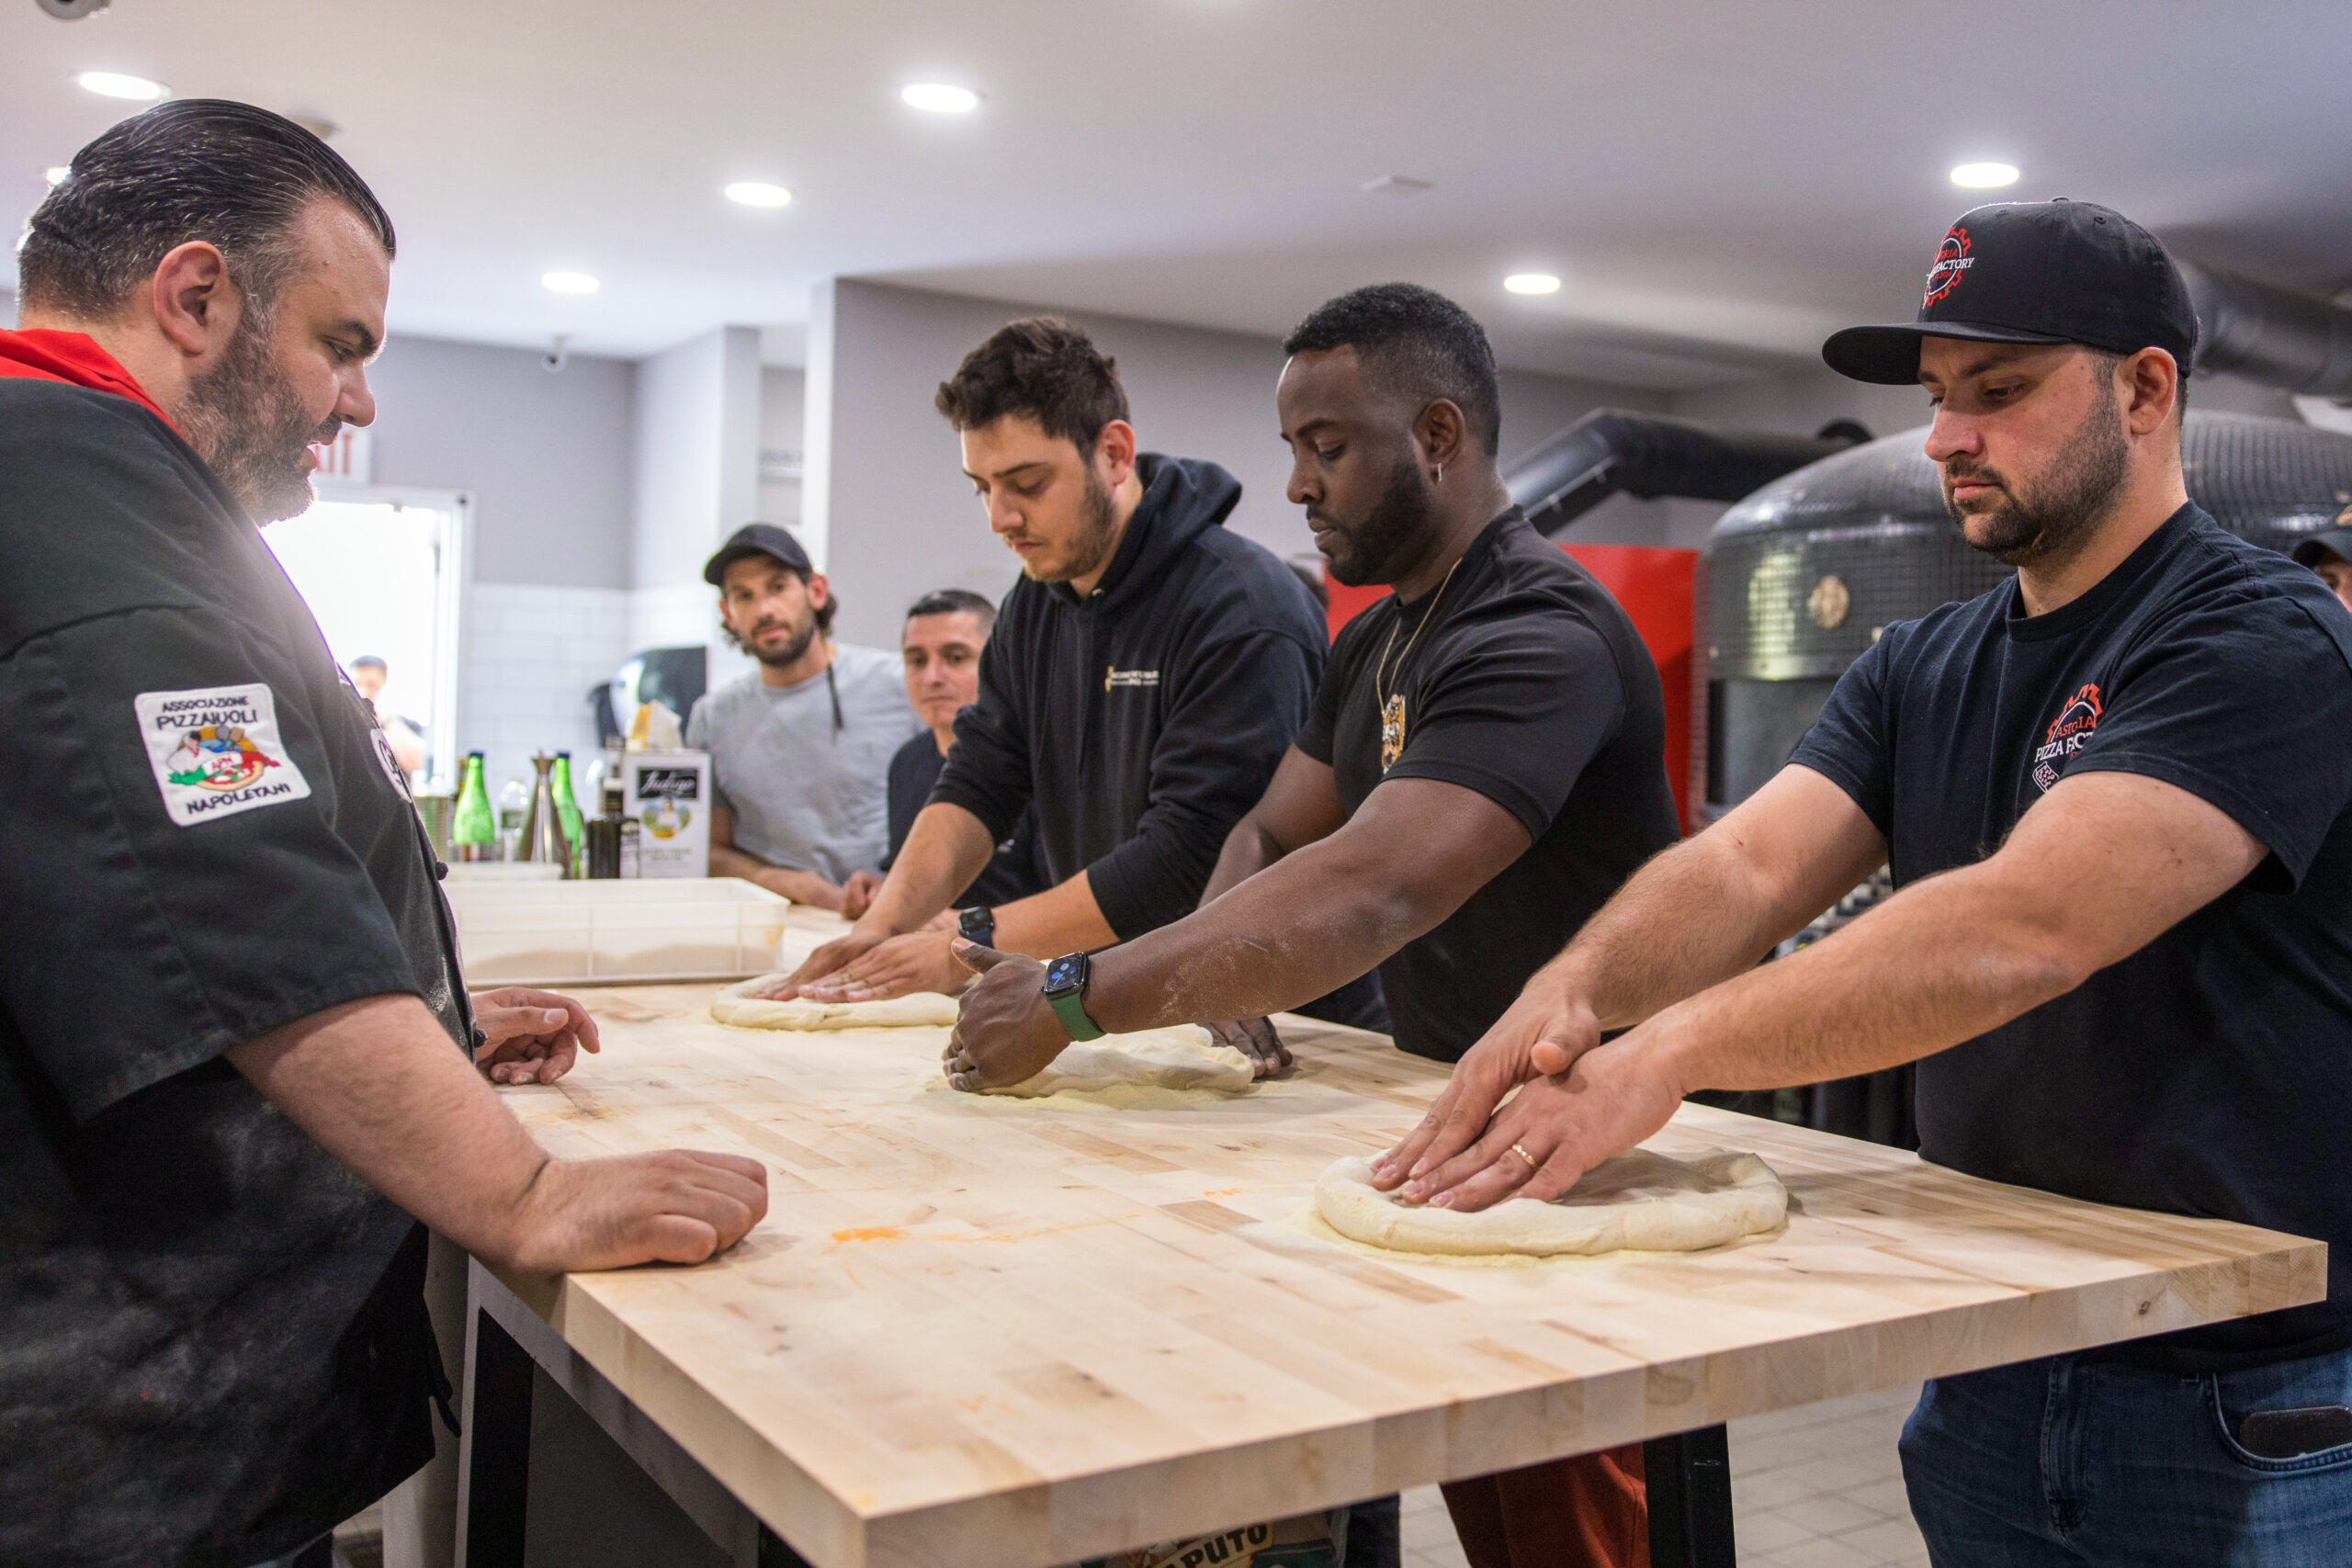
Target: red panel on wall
{"points": [[1654, 586]]}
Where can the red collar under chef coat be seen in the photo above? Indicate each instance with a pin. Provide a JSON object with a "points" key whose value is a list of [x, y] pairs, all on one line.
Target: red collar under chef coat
{"points": [[76, 358]]}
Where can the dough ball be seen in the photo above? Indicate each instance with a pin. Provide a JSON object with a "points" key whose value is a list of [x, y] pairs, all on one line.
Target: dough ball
{"points": [[1640, 1201], [924, 1010]]}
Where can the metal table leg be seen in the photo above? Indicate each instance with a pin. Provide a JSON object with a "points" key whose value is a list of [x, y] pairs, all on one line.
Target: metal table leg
{"points": [[1688, 1479], [498, 1434]]}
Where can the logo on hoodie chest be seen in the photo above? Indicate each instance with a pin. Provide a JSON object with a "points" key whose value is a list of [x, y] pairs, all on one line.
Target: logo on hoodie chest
{"points": [[1114, 677]]}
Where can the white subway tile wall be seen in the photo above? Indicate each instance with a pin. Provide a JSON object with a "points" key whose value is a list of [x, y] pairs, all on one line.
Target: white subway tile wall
{"points": [[526, 656]]}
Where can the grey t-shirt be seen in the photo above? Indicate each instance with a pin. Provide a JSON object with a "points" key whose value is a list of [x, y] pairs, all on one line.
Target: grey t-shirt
{"points": [[803, 793]]}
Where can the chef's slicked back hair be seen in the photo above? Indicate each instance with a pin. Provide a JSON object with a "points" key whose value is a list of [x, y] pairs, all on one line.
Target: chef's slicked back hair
{"points": [[1414, 342], [194, 169]]}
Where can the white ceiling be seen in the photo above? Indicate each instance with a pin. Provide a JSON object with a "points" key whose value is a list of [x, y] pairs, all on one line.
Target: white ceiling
{"points": [[1719, 183]]}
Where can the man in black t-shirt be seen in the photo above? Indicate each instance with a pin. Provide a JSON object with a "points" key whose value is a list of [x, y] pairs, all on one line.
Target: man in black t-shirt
{"points": [[1483, 768], [233, 1032], [2118, 808]]}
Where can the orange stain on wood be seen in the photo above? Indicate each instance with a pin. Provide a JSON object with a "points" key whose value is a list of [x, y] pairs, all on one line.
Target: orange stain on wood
{"points": [[870, 1233]]}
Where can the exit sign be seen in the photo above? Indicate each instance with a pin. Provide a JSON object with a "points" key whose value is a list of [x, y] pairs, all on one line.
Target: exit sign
{"points": [[350, 457]]}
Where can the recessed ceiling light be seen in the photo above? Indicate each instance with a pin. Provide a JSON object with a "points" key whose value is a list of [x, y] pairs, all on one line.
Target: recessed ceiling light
{"points": [[1531, 283], [939, 98], [1984, 177], [569, 282], [114, 85], [56, 177], [757, 193]]}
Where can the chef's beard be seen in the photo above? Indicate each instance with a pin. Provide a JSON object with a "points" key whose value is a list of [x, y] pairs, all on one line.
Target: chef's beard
{"points": [[247, 423], [792, 648], [1098, 535], [2050, 520], [1381, 547]]}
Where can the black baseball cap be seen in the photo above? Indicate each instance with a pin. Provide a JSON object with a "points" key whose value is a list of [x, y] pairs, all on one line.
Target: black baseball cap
{"points": [[2034, 272], [757, 539], [2337, 542]]}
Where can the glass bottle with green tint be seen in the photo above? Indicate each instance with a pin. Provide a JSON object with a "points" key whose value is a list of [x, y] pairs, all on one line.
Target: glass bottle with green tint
{"points": [[567, 811], [473, 828]]}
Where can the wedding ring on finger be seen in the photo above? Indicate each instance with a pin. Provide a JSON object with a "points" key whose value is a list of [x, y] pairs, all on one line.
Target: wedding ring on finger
{"points": [[1532, 1163]]}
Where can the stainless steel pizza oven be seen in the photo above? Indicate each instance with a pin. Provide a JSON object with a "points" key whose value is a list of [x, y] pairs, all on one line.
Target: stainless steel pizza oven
{"points": [[1798, 579]]}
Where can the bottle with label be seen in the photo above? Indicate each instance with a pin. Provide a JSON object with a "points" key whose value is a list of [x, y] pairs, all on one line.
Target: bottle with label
{"points": [[612, 837], [567, 810], [473, 829]]}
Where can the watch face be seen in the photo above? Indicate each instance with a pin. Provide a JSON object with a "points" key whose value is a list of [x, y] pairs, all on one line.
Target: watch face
{"points": [[976, 923], [1066, 974]]}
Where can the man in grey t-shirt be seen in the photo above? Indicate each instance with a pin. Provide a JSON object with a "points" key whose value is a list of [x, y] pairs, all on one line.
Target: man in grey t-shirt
{"points": [[801, 748]]}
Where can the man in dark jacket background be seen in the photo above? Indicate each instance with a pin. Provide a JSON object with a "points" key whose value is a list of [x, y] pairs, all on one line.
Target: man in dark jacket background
{"points": [[1143, 681]]}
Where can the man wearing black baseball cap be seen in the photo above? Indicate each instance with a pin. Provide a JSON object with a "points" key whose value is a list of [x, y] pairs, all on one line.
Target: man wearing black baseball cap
{"points": [[2329, 553], [2115, 799], [799, 748]]}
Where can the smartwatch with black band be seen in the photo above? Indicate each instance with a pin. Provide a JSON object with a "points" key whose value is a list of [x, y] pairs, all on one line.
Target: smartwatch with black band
{"points": [[1066, 980], [977, 924]]}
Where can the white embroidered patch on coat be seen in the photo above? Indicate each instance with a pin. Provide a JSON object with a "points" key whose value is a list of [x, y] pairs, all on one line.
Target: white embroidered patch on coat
{"points": [[215, 752]]}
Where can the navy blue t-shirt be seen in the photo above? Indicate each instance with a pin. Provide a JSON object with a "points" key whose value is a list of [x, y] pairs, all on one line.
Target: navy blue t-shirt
{"points": [[2209, 1073]]}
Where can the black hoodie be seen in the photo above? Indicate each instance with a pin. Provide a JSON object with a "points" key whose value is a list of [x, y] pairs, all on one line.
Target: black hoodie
{"points": [[1146, 719]]}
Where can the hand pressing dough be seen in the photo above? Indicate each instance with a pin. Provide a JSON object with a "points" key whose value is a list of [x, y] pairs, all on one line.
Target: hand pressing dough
{"points": [[1183, 1058], [920, 1011], [1639, 1200]]}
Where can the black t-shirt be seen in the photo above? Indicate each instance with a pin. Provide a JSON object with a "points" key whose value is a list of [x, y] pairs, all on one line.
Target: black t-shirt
{"points": [[1528, 685], [212, 1337], [1013, 872], [2209, 1073]]}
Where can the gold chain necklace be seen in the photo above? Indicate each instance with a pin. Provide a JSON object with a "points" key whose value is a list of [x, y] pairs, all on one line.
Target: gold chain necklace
{"points": [[1381, 670]]}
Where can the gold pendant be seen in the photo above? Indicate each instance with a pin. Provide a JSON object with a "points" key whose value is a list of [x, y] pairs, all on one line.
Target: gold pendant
{"points": [[1392, 732]]}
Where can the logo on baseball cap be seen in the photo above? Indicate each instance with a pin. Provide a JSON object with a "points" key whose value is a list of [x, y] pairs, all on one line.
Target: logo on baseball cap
{"points": [[2045, 272]]}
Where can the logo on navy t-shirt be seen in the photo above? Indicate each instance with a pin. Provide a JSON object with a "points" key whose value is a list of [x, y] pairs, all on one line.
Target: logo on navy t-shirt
{"points": [[2069, 733]]}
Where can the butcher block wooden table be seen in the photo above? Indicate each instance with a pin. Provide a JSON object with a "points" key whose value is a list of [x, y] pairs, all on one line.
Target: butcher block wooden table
{"points": [[980, 1332]]}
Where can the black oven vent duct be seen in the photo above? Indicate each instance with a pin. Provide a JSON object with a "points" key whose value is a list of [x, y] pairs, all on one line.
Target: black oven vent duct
{"points": [[1649, 454], [2266, 334]]}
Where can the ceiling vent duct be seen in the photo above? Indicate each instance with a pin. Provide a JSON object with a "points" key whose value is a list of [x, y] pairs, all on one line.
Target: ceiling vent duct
{"points": [[1647, 455], [2265, 334]]}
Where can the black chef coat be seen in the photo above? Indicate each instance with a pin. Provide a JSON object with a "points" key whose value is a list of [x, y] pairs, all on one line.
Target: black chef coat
{"points": [[212, 1337]]}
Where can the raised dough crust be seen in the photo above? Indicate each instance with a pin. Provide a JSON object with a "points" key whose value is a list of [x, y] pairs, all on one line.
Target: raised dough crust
{"points": [[923, 1009], [1182, 1057], [1638, 1199]]}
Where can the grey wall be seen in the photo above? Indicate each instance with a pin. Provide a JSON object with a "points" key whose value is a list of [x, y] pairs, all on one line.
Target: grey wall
{"points": [[547, 458], [886, 494]]}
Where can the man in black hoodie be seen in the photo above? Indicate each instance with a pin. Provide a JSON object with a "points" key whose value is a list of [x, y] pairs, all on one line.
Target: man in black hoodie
{"points": [[1144, 680]]}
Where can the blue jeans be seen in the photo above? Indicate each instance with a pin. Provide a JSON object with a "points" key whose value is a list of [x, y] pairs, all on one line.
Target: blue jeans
{"points": [[2063, 1461]]}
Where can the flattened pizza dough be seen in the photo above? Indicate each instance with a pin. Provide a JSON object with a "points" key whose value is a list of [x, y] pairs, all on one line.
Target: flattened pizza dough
{"points": [[922, 1009], [1639, 1200], [1184, 1058]]}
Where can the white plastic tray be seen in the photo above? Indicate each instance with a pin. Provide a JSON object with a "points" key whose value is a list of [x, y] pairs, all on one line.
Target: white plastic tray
{"points": [[571, 933]]}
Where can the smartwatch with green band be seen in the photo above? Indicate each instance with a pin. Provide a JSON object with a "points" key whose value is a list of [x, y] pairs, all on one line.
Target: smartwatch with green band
{"points": [[1066, 980]]}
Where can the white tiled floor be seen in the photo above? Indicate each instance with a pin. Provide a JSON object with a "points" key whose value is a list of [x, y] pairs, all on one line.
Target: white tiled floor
{"points": [[1814, 1487]]}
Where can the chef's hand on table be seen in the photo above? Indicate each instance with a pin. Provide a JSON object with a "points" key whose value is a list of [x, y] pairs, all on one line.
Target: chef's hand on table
{"points": [[1005, 1030], [530, 1036], [918, 961], [674, 1206], [1612, 1098], [1545, 1032], [1256, 1039]]}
